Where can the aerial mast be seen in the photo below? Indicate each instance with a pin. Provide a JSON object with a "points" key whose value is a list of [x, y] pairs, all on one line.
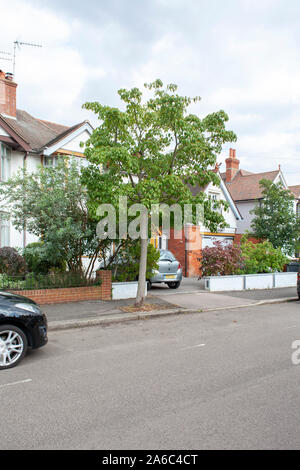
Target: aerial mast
{"points": [[19, 44]]}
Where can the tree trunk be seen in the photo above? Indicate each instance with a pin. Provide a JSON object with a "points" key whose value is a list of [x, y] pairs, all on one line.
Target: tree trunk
{"points": [[143, 261]]}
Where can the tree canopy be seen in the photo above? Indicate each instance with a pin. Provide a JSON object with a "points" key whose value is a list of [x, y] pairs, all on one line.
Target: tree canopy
{"points": [[153, 151], [275, 218]]}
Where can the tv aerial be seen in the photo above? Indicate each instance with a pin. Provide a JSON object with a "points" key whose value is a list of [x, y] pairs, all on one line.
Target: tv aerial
{"points": [[18, 44]]}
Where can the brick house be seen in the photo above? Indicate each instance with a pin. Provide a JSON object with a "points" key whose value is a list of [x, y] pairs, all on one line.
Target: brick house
{"points": [[187, 245], [246, 192], [26, 141]]}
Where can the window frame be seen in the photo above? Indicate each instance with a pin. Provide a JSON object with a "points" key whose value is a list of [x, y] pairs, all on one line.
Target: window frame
{"points": [[5, 156]]}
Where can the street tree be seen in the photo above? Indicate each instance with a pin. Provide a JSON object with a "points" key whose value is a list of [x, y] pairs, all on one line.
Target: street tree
{"points": [[153, 151]]}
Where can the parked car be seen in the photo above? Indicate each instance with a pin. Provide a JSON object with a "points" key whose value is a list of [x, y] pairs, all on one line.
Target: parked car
{"points": [[22, 325], [169, 271], [298, 283]]}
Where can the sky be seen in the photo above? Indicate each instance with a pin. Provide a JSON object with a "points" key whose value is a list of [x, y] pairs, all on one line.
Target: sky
{"points": [[242, 56]]}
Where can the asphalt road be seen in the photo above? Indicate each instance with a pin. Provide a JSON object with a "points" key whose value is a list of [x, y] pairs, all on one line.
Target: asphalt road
{"points": [[213, 380]]}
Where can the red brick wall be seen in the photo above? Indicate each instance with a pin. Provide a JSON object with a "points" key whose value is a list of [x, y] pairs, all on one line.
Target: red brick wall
{"points": [[7, 97], [238, 237], [194, 251], [71, 294], [177, 247], [187, 249]]}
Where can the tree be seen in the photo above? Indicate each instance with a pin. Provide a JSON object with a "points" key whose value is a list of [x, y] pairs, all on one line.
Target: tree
{"points": [[52, 204], [275, 219], [150, 151]]}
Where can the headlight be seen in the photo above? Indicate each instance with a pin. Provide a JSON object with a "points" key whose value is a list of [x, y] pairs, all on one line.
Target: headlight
{"points": [[29, 307]]}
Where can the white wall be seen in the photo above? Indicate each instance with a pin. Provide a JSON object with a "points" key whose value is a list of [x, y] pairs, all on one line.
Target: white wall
{"points": [[17, 238], [245, 208], [228, 215], [74, 144]]}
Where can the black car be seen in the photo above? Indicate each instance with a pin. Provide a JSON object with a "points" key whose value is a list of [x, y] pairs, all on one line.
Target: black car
{"points": [[22, 325]]}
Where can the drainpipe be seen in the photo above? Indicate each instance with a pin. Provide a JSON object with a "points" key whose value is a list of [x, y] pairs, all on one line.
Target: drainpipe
{"points": [[24, 226]]}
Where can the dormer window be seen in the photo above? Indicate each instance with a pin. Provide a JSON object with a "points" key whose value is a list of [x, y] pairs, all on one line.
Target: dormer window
{"points": [[5, 162]]}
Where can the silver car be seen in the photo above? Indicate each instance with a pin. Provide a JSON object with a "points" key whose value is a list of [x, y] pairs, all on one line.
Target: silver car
{"points": [[169, 271]]}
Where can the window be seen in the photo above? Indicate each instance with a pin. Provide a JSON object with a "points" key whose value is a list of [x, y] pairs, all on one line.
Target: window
{"points": [[5, 154], [50, 161], [4, 230], [215, 198]]}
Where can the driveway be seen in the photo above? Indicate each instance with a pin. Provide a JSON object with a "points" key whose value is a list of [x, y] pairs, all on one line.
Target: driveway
{"points": [[191, 294]]}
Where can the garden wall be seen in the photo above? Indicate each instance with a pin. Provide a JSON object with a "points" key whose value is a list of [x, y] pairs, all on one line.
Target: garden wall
{"points": [[72, 294], [250, 281]]}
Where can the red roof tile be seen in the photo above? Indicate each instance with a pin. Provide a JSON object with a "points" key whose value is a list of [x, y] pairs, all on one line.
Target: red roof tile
{"points": [[245, 185], [295, 190]]}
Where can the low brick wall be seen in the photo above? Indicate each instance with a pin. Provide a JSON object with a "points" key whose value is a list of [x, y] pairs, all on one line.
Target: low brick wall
{"points": [[71, 294]]}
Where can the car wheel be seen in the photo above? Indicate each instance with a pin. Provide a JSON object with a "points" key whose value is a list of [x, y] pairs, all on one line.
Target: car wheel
{"points": [[174, 285], [149, 285], [13, 346]]}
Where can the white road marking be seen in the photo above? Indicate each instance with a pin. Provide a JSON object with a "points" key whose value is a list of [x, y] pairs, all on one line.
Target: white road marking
{"points": [[195, 346], [16, 383]]}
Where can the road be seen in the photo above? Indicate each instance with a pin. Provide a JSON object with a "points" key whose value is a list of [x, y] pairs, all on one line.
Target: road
{"points": [[220, 380]]}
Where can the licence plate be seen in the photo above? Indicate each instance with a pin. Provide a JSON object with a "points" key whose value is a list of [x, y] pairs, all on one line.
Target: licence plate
{"points": [[170, 276]]}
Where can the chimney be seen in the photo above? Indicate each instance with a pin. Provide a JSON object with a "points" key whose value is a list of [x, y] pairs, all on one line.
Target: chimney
{"points": [[8, 89], [232, 165]]}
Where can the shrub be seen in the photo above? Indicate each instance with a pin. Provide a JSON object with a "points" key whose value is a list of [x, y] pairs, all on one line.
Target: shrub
{"points": [[38, 261], [261, 257], [244, 258], [221, 260], [11, 262]]}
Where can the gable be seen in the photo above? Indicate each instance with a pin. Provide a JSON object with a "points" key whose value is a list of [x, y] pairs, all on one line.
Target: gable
{"points": [[223, 194], [71, 141], [74, 144]]}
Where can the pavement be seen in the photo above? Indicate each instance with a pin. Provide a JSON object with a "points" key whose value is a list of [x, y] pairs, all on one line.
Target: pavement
{"points": [[221, 380], [189, 298]]}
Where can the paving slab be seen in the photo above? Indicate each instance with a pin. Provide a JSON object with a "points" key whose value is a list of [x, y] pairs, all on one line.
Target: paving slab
{"points": [[205, 300]]}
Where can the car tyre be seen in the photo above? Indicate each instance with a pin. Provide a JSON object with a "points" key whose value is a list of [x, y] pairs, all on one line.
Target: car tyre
{"points": [[13, 346], [149, 285], [174, 285]]}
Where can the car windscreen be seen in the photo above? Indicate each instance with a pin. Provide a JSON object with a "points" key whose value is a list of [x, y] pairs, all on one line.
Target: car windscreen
{"points": [[166, 255]]}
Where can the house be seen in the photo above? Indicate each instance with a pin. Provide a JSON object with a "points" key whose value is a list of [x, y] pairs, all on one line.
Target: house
{"points": [[26, 141], [245, 189], [188, 245]]}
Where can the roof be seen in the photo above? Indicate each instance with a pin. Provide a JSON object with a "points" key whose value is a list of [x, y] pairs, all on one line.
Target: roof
{"points": [[295, 190], [34, 134], [245, 185]]}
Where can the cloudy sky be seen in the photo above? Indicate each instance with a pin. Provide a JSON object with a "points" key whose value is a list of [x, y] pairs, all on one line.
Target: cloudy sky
{"points": [[242, 56]]}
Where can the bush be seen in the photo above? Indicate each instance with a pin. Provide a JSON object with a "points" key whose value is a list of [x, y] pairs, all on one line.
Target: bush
{"points": [[38, 261], [221, 260], [11, 262], [261, 257], [244, 258]]}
